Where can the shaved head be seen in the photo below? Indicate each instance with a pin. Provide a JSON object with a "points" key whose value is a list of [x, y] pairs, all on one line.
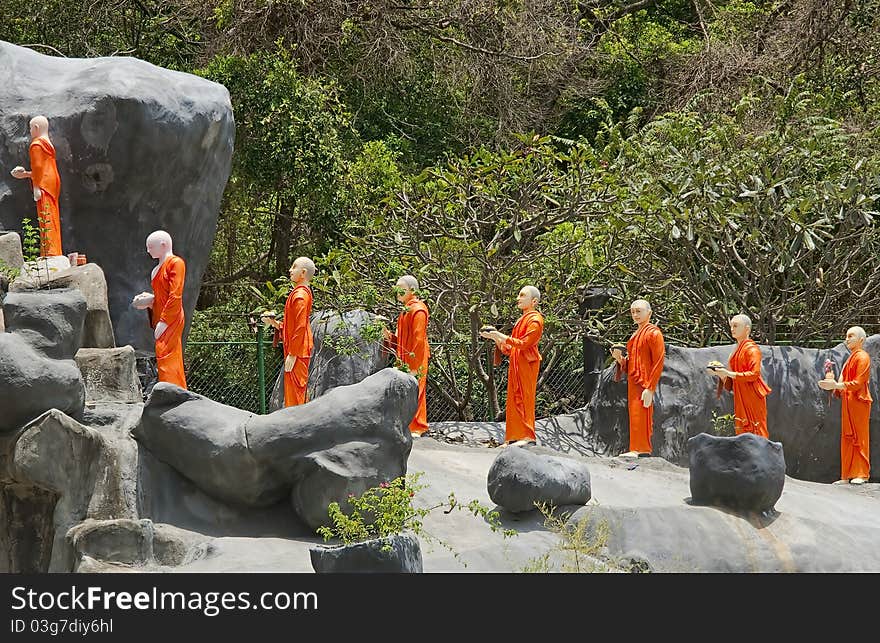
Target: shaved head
{"points": [[745, 320], [858, 331], [643, 303], [41, 123], [532, 292], [158, 243], [409, 282], [308, 264]]}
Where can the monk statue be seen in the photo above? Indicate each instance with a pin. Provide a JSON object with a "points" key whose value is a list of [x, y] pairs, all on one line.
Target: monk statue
{"points": [[410, 344], [296, 331], [744, 379], [47, 186], [521, 347], [165, 304], [642, 365], [855, 409]]}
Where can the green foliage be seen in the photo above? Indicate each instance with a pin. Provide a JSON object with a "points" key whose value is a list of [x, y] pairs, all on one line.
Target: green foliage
{"points": [[8, 272], [388, 509], [293, 136], [723, 425], [582, 545], [30, 242]]}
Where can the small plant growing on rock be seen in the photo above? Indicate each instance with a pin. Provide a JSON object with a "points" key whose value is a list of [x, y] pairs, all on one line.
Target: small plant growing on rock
{"points": [[723, 425], [388, 509], [582, 546]]}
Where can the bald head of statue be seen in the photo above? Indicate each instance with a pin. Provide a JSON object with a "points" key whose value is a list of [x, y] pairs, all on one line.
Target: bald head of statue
{"points": [[39, 126], [159, 244]]}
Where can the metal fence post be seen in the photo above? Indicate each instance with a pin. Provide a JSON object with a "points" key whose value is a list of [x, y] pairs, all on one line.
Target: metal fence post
{"points": [[261, 368]]}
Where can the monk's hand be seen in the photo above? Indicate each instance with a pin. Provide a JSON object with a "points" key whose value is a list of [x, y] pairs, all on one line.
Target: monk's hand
{"points": [[386, 334], [143, 300], [18, 172], [289, 363], [38, 194], [829, 385], [617, 354], [647, 398], [161, 327]]}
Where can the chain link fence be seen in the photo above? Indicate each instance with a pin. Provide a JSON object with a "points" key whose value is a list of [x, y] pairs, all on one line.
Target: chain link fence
{"points": [[241, 373]]}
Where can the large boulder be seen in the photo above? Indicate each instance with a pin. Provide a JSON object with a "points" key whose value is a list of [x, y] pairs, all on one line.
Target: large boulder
{"points": [[206, 442], [348, 348], [109, 374], [349, 440], [89, 280], [31, 383], [89, 473], [520, 477], [49, 320], [139, 148], [745, 472], [804, 418]]}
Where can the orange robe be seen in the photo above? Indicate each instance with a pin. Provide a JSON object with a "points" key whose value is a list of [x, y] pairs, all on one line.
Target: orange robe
{"points": [[44, 175], [522, 375], [855, 411], [410, 344], [749, 390], [645, 352], [296, 331], [168, 308]]}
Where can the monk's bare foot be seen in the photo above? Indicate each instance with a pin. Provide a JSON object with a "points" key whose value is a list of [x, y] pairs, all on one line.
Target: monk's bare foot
{"points": [[857, 481], [523, 443], [629, 454], [415, 435], [843, 481]]}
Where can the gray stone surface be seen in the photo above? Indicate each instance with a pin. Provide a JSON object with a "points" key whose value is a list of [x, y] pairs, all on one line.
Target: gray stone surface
{"points": [[109, 374], [523, 476], [371, 556], [329, 367], [10, 250], [31, 383], [344, 442], [135, 543], [799, 414], [206, 442], [86, 471], [745, 473], [139, 148], [49, 320], [88, 280]]}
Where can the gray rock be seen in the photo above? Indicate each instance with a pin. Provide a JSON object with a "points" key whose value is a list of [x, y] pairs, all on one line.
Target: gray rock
{"points": [[31, 383], [49, 320], [522, 476], [89, 280], [78, 466], [371, 556], [341, 354], [10, 251], [109, 374], [799, 414], [130, 542], [206, 442], [342, 443], [745, 472], [139, 148]]}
